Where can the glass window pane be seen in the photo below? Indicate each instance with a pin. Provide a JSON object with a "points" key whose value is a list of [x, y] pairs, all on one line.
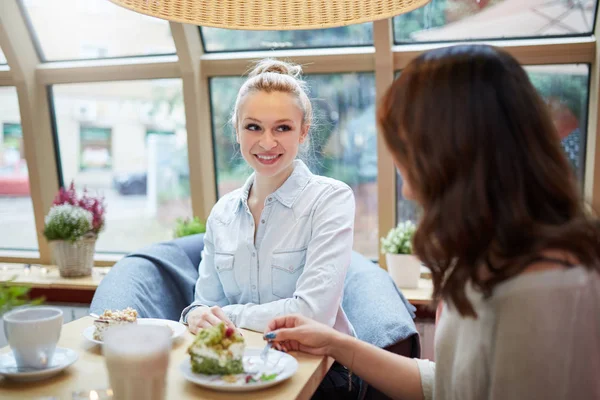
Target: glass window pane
{"points": [[406, 210], [2, 58], [342, 146], [565, 89], [112, 141], [217, 39], [17, 224], [78, 30], [451, 20]]}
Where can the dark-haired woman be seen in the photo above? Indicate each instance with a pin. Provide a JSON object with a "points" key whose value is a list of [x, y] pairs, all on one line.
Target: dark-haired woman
{"points": [[514, 257]]}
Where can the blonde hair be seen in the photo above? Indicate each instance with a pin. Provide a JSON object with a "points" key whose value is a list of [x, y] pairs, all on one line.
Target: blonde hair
{"points": [[270, 75]]}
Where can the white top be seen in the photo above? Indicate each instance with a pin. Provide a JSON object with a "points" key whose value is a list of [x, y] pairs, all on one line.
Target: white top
{"points": [[298, 262], [537, 337]]}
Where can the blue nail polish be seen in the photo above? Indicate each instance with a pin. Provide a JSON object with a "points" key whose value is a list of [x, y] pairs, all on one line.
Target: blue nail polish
{"points": [[270, 336]]}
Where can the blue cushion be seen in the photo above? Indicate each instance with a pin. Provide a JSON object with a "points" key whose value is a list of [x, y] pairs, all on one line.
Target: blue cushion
{"points": [[377, 309], [158, 281]]}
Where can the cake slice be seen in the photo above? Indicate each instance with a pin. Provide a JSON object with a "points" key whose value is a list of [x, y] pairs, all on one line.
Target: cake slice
{"points": [[217, 350], [111, 318]]}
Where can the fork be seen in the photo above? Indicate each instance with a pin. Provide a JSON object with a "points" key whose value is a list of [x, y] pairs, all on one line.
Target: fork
{"points": [[265, 352]]}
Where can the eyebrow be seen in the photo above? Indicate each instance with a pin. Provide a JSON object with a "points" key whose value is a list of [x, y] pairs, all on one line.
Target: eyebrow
{"points": [[277, 122]]}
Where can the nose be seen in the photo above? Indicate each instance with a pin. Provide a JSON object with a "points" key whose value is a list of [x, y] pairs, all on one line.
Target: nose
{"points": [[267, 140]]}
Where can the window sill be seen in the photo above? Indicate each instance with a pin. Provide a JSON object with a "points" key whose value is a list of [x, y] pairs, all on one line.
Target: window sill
{"points": [[33, 257]]}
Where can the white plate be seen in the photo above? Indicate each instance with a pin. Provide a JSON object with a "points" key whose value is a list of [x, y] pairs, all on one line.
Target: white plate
{"points": [[62, 359], [177, 328], [277, 362]]}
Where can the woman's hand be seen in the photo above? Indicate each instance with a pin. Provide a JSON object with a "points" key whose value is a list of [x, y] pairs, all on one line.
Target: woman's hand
{"points": [[298, 333], [204, 317]]}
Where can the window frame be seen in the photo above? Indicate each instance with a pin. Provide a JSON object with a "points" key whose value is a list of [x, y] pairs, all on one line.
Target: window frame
{"points": [[34, 79]]}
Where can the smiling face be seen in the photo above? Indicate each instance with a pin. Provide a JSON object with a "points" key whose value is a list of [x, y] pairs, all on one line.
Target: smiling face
{"points": [[269, 130]]}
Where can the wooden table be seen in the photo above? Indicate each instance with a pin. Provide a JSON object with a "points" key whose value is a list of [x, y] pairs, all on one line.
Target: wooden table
{"points": [[46, 281], [89, 373], [420, 296]]}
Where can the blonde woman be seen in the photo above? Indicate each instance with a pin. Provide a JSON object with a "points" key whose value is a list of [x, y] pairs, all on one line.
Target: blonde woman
{"points": [[281, 243]]}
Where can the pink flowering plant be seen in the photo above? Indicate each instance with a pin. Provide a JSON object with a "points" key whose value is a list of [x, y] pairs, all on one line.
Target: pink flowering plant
{"points": [[73, 216]]}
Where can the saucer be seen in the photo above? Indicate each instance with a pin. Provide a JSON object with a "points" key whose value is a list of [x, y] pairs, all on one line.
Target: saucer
{"points": [[62, 359]]}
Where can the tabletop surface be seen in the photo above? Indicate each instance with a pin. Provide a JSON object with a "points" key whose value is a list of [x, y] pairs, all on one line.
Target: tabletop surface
{"points": [[48, 277], [89, 372]]}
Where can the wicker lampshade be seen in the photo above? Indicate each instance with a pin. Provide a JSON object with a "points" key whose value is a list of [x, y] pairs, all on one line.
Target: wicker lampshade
{"points": [[271, 14]]}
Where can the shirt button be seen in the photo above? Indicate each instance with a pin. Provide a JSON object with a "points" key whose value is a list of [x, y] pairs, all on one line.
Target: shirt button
{"points": [[269, 199], [253, 287], [253, 254], [263, 221]]}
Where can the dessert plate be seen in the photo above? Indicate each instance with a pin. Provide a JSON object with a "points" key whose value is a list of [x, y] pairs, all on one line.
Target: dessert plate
{"points": [[278, 367], [177, 328]]}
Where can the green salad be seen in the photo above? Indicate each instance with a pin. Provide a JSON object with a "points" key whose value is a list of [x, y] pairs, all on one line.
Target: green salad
{"points": [[217, 350]]}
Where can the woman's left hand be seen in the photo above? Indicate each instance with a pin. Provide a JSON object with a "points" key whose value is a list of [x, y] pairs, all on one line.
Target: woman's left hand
{"points": [[298, 333]]}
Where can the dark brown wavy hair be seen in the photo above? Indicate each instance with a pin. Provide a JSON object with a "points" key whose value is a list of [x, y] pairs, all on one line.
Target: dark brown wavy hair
{"points": [[485, 162]]}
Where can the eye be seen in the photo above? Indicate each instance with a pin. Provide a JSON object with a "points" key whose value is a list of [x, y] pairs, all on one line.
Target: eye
{"points": [[252, 127], [284, 128]]}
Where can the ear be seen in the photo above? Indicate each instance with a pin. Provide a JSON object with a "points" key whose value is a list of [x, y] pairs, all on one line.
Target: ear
{"points": [[304, 132]]}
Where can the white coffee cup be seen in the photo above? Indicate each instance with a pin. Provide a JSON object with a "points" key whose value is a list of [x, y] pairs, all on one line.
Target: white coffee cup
{"points": [[137, 359], [32, 334]]}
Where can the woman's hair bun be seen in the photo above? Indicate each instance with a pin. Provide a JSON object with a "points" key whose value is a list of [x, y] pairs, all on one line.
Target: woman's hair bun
{"points": [[276, 67]]}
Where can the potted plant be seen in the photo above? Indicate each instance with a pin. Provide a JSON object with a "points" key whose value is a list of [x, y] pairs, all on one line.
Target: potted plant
{"points": [[403, 267], [72, 227], [188, 226]]}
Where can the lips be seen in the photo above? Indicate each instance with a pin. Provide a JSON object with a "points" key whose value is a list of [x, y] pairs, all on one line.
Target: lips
{"points": [[267, 159]]}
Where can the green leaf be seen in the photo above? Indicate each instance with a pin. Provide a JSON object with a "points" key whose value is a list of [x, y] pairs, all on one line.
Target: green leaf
{"points": [[12, 296], [266, 378], [186, 227]]}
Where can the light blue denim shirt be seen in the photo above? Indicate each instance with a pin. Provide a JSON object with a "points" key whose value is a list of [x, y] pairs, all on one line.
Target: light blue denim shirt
{"points": [[297, 264]]}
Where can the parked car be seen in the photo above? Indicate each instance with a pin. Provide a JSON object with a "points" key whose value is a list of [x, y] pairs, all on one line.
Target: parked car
{"points": [[14, 180], [131, 183]]}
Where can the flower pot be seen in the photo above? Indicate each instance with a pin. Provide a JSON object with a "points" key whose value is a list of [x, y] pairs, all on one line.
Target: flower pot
{"points": [[74, 258], [405, 270]]}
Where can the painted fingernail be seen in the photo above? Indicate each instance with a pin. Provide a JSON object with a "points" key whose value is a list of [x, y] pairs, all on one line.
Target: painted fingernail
{"points": [[270, 335]]}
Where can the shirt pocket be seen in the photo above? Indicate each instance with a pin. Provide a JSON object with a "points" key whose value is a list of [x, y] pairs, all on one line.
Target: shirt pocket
{"points": [[224, 266], [286, 268]]}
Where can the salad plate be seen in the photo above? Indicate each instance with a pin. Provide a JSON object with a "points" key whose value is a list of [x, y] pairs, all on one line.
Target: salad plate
{"points": [[258, 373]]}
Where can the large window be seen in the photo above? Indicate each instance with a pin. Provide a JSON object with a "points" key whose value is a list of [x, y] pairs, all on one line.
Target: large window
{"points": [[342, 144], [17, 224], [110, 142], [565, 89], [88, 29], [453, 20], [216, 39]]}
